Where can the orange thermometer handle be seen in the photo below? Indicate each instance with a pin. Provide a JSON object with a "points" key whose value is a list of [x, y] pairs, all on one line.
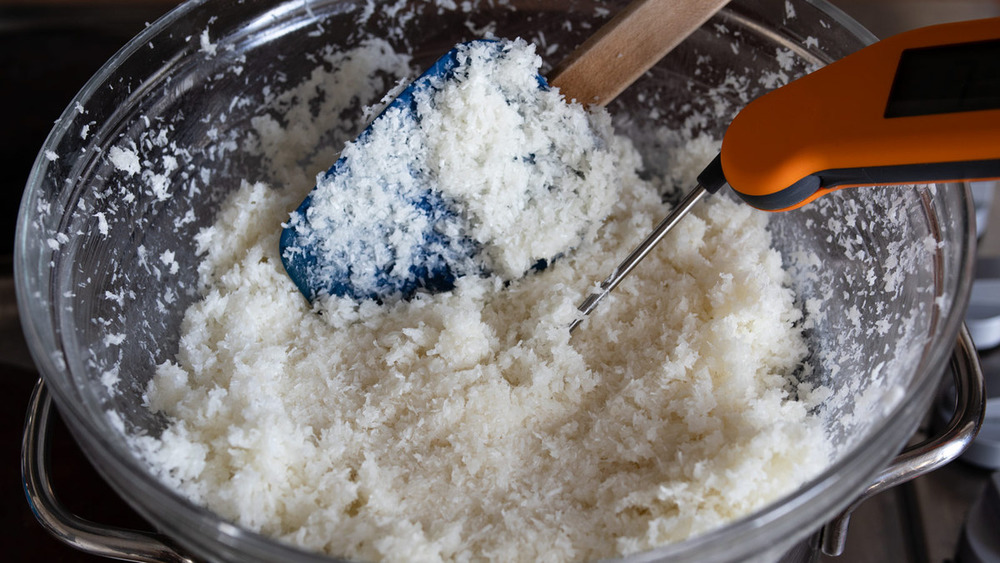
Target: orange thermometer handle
{"points": [[922, 106]]}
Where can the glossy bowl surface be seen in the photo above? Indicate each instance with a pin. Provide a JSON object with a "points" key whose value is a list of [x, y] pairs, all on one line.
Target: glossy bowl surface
{"points": [[105, 266]]}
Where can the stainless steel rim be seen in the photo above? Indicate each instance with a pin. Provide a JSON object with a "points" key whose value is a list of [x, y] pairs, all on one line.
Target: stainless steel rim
{"points": [[933, 453], [86, 536]]}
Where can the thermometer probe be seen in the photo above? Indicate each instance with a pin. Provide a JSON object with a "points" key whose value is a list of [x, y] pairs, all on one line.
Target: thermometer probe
{"points": [[922, 106]]}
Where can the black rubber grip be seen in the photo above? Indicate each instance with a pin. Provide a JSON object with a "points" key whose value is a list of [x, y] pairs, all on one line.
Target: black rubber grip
{"points": [[874, 176]]}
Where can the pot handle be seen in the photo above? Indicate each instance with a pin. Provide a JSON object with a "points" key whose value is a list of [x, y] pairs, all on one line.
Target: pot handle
{"points": [[86, 536], [932, 453]]}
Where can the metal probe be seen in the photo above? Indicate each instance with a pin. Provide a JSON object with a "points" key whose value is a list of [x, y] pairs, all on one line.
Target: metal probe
{"points": [[640, 252], [710, 180]]}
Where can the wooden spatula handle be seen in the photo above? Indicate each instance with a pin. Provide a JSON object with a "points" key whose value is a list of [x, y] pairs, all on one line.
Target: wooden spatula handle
{"points": [[627, 46]]}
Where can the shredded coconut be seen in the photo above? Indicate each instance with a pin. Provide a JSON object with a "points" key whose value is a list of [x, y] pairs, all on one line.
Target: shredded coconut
{"points": [[125, 160], [418, 193], [468, 424]]}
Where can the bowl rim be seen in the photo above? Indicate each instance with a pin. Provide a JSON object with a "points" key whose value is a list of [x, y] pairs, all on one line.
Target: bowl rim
{"points": [[175, 509]]}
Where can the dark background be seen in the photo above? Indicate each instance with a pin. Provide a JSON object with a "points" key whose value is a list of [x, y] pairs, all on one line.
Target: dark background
{"points": [[48, 50]]}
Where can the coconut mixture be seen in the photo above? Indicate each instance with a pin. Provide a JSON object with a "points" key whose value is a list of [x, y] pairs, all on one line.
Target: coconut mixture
{"points": [[486, 171], [468, 425]]}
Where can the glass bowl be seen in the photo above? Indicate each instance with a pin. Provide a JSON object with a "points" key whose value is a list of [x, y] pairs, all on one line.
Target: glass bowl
{"points": [[106, 261]]}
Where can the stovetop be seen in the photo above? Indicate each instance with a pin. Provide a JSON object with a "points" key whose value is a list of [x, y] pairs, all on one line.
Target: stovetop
{"points": [[47, 52]]}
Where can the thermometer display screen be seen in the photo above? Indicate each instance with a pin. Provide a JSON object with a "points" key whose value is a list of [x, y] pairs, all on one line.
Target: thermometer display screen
{"points": [[946, 79]]}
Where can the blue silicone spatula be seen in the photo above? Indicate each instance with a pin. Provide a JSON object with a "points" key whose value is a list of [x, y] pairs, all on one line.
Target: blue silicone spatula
{"points": [[594, 74]]}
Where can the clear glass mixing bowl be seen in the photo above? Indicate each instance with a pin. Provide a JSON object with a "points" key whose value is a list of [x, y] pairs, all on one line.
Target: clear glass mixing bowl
{"points": [[105, 265]]}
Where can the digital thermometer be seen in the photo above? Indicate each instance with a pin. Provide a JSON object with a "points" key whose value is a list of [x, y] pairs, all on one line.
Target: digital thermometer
{"points": [[922, 106]]}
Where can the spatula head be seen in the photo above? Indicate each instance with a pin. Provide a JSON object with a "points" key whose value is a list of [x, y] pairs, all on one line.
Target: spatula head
{"points": [[476, 168], [387, 234]]}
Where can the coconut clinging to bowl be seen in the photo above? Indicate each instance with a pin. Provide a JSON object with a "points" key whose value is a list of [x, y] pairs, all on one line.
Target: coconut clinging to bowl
{"points": [[120, 296]]}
